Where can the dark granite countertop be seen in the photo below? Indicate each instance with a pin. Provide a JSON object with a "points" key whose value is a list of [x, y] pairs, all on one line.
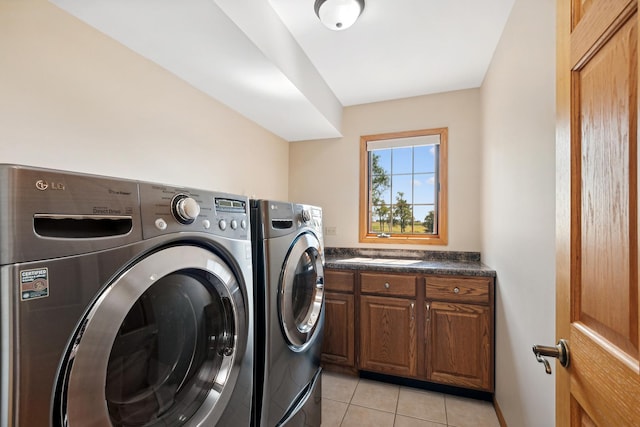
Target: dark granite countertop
{"points": [[407, 261]]}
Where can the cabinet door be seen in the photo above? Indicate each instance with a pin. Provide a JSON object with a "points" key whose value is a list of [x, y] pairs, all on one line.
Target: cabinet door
{"points": [[458, 346], [388, 340], [338, 340]]}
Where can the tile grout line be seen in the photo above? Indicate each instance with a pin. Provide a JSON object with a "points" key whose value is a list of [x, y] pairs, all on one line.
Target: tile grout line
{"points": [[395, 415], [349, 403], [446, 413]]}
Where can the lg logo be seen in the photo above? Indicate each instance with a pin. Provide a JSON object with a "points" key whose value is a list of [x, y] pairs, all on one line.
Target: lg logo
{"points": [[43, 185]]}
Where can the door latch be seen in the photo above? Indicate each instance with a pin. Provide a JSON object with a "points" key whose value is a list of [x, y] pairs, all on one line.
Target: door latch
{"points": [[560, 351]]}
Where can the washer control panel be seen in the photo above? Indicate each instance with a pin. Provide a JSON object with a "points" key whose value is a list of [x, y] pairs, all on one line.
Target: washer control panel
{"points": [[167, 209]]}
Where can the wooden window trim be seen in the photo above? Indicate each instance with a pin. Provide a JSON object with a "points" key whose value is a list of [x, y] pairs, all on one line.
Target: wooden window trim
{"points": [[433, 239]]}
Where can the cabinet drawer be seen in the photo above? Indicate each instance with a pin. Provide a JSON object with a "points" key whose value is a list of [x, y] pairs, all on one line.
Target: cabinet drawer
{"points": [[457, 289], [388, 284], [339, 281]]}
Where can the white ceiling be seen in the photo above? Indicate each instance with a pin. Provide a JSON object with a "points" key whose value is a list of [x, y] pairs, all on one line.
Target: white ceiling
{"points": [[275, 63], [400, 48]]}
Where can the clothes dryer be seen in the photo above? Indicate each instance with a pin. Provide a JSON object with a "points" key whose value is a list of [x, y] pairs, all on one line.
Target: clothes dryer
{"points": [[289, 284], [123, 303]]}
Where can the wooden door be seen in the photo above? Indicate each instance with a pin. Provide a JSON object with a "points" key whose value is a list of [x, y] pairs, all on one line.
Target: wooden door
{"points": [[597, 213], [338, 342], [388, 340], [458, 345]]}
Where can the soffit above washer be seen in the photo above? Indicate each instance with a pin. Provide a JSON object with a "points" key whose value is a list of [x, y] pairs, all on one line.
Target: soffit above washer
{"points": [[276, 64], [198, 42]]}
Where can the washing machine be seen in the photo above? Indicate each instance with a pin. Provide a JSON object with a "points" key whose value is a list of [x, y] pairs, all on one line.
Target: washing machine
{"points": [[123, 303], [289, 284]]}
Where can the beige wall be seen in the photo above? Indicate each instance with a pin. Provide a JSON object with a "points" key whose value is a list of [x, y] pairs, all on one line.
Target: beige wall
{"points": [[326, 172], [518, 105], [71, 98]]}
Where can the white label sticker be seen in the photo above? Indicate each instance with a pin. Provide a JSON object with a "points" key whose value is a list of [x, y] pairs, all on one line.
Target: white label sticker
{"points": [[34, 283]]}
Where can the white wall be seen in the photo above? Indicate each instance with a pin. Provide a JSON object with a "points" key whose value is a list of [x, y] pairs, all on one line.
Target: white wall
{"points": [[518, 240], [326, 172], [72, 98]]}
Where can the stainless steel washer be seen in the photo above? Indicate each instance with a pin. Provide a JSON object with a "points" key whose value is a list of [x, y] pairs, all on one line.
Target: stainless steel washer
{"points": [[123, 303], [289, 283]]}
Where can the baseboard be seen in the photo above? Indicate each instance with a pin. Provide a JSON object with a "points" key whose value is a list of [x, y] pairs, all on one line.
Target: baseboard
{"points": [[440, 388], [338, 369], [501, 420]]}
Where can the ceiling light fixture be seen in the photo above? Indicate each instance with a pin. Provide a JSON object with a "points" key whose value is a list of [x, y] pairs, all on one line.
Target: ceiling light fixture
{"points": [[338, 14]]}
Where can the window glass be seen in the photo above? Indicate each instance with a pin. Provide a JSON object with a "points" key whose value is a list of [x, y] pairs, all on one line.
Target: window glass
{"points": [[424, 188], [304, 288], [168, 352], [401, 160], [383, 162], [424, 159], [403, 190]]}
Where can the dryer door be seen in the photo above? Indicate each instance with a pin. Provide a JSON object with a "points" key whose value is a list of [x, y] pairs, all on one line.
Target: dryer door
{"points": [[160, 346], [301, 292]]}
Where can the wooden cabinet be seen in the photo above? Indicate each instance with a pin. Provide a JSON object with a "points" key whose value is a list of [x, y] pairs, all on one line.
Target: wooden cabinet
{"points": [[388, 340], [457, 345], [338, 345], [432, 328], [388, 332], [459, 331]]}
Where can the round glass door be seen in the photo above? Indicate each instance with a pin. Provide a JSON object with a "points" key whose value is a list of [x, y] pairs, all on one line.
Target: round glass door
{"points": [[301, 292], [158, 348]]}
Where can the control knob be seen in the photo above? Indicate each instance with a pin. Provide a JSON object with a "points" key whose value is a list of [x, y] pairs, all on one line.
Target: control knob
{"points": [[306, 215], [185, 209]]}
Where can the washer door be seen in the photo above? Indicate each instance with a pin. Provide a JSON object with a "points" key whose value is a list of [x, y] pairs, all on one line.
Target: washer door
{"points": [[301, 292], [160, 346]]}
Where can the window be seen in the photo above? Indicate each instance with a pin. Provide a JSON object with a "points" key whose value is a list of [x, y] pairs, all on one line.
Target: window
{"points": [[403, 187]]}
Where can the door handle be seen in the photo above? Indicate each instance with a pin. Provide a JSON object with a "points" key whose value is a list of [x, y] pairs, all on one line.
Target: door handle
{"points": [[560, 351]]}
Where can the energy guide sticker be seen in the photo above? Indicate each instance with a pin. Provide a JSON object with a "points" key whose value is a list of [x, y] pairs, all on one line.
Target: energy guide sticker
{"points": [[34, 283]]}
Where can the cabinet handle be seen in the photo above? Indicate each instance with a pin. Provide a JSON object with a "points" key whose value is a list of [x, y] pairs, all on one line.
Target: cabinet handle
{"points": [[428, 312], [456, 290], [413, 314], [387, 285]]}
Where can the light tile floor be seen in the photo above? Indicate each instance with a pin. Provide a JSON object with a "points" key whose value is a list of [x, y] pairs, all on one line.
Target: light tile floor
{"points": [[355, 402]]}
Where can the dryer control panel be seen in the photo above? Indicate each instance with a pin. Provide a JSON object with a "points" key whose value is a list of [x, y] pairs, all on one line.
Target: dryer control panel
{"points": [[46, 213], [167, 209]]}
